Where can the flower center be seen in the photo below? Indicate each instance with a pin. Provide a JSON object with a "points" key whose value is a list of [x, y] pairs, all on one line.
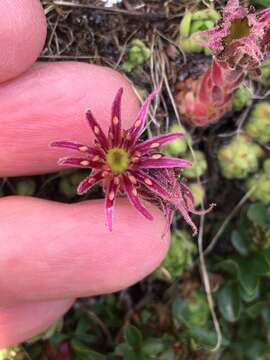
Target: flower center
{"points": [[118, 160], [239, 29]]}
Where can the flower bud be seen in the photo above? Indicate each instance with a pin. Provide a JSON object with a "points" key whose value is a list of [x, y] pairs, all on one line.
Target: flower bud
{"points": [[138, 53], [265, 69], [258, 125], [192, 23], [12, 353], [261, 184], [197, 308], [239, 158], [180, 146], [241, 98], [69, 183], [178, 259], [199, 165], [198, 192]]}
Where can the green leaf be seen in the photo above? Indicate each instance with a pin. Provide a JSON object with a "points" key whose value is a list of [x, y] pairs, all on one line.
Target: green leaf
{"points": [[84, 352], [180, 311], [248, 297], [126, 351], [247, 278], [255, 310], [260, 263], [153, 346], [168, 355], [266, 320], [257, 213], [203, 336], [229, 302], [229, 266], [239, 243], [266, 254], [133, 337]]}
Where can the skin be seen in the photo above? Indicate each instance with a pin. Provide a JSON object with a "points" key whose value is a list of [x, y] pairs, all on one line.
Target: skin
{"points": [[22, 36], [52, 253]]}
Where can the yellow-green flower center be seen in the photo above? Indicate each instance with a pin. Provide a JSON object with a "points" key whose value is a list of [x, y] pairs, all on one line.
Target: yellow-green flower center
{"points": [[239, 29], [118, 160]]}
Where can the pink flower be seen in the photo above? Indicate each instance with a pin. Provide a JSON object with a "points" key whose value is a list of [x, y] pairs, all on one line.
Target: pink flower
{"points": [[238, 40], [124, 164], [240, 44]]}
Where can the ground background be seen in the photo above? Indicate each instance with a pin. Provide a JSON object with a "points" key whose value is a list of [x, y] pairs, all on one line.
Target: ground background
{"points": [[166, 316]]}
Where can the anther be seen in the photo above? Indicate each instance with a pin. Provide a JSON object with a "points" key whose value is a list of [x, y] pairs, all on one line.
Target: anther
{"points": [[156, 156], [84, 162], [115, 120], [96, 130], [111, 195], [137, 124], [132, 179], [83, 148], [148, 181], [154, 145], [116, 181]]}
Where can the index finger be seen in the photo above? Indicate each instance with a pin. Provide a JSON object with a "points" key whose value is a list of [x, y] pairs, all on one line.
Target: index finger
{"points": [[49, 103]]}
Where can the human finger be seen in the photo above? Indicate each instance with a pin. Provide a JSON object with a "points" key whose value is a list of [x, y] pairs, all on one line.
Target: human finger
{"points": [[20, 322], [51, 250], [22, 36], [49, 103]]}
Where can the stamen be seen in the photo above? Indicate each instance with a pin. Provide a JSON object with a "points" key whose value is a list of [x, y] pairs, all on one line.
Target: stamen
{"points": [[118, 160], [115, 120], [154, 145], [156, 156], [105, 173], [84, 162], [116, 180], [83, 148], [132, 179], [134, 158], [137, 124], [96, 158], [111, 195], [148, 181], [96, 130]]}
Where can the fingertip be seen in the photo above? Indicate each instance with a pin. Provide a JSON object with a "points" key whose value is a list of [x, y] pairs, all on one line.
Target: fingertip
{"points": [[23, 33], [48, 103], [71, 251], [21, 322]]}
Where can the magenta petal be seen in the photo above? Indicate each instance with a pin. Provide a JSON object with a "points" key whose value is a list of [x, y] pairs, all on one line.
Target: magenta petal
{"points": [[133, 198], [73, 145], [111, 194], [155, 187], [151, 184], [186, 217], [135, 131], [98, 132], [189, 201], [79, 162], [157, 141], [115, 128], [88, 182], [163, 162]]}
